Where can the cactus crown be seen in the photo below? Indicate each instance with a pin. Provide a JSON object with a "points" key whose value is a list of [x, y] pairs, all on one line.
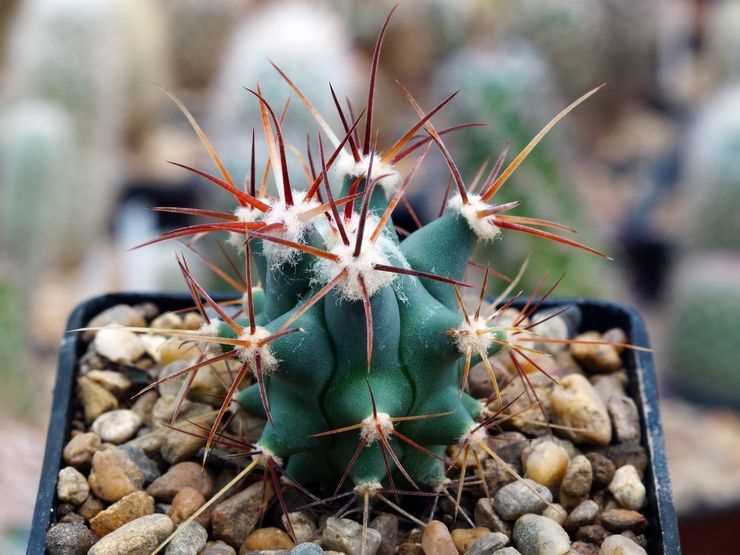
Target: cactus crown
{"points": [[358, 340]]}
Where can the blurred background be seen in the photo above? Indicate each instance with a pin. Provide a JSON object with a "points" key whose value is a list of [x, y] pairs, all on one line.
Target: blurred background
{"points": [[648, 170]]}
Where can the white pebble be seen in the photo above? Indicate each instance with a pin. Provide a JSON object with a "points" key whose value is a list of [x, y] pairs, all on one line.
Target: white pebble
{"points": [[627, 488], [119, 345]]}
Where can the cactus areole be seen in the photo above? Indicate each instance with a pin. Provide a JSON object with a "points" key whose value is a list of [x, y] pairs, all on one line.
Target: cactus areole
{"points": [[356, 335]]}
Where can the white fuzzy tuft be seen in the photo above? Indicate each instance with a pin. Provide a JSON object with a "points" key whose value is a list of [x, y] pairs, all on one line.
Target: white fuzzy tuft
{"points": [[243, 214], [476, 435], [370, 488], [363, 265], [210, 330], [477, 336], [294, 229], [370, 432], [265, 456], [484, 228], [249, 353], [346, 165]]}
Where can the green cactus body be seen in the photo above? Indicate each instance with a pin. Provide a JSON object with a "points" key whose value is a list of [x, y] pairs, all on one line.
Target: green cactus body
{"points": [[38, 157], [704, 324], [322, 380], [713, 175]]}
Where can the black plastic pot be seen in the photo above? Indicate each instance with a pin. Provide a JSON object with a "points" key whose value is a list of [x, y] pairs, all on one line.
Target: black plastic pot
{"points": [[662, 530]]}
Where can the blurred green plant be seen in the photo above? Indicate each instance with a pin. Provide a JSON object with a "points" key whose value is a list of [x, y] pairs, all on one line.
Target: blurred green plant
{"points": [[511, 89]]}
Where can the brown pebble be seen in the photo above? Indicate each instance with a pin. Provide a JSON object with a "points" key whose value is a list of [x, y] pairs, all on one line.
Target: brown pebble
{"points": [[436, 540], [185, 503], [593, 533], [114, 475], [618, 520], [583, 548], [465, 537], [410, 549], [90, 507], [264, 539], [233, 519], [602, 469], [218, 548], [95, 398], [73, 518], [181, 475], [80, 449], [594, 357], [131, 507]]}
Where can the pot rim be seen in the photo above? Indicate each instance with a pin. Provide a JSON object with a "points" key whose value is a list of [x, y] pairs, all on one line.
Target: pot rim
{"points": [[601, 315]]}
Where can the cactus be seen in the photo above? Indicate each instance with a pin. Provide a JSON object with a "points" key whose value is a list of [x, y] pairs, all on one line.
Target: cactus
{"points": [[511, 88], [704, 322], [276, 32], [39, 162], [713, 175], [79, 55], [357, 341]]}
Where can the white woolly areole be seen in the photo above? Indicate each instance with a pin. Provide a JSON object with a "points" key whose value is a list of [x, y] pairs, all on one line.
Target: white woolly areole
{"points": [[371, 488], [248, 354], [211, 329], [372, 427], [244, 214], [476, 336], [484, 228], [363, 265], [294, 228], [476, 435], [346, 165], [266, 455]]}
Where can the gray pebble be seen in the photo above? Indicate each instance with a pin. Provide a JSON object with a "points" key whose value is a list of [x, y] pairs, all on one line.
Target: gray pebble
{"points": [[117, 426], [518, 498], [506, 551], [69, 539], [486, 517], [190, 539], [387, 526], [148, 467], [343, 534], [307, 549], [555, 512], [583, 514], [488, 544], [578, 477], [538, 535], [138, 537], [72, 486], [625, 419]]}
